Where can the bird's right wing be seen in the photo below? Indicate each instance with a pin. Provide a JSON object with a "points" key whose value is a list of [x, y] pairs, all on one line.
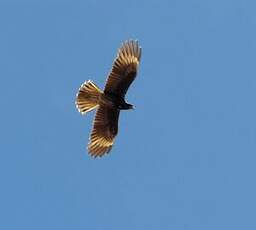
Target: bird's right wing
{"points": [[105, 128], [124, 69]]}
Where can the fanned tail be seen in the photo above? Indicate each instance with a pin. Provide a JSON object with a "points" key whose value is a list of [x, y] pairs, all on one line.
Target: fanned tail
{"points": [[87, 97]]}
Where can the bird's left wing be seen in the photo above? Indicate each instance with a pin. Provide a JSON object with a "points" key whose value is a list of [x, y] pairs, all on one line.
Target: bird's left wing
{"points": [[105, 128], [124, 69]]}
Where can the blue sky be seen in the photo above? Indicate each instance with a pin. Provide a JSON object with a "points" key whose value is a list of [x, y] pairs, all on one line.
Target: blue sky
{"points": [[184, 159]]}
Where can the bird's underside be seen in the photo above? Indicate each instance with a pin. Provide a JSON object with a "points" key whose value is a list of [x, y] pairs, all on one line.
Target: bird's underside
{"points": [[110, 101]]}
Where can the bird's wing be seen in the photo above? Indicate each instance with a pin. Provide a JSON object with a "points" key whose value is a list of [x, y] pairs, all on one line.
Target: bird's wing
{"points": [[124, 69], [105, 128]]}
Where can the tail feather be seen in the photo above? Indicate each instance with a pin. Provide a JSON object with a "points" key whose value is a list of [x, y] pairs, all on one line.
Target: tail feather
{"points": [[87, 97]]}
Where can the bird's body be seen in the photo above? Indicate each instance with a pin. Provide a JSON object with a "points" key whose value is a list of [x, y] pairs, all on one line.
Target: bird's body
{"points": [[110, 101]]}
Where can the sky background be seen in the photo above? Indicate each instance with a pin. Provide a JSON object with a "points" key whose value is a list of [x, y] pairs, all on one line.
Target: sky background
{"points": [[184, 158]]}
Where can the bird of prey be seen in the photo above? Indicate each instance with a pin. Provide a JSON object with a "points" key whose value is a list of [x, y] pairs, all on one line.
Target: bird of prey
{"points": [[111, 100]]}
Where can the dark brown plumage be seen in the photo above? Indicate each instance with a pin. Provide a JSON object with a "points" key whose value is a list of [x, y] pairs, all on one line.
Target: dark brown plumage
{"points": [[109, 102]]}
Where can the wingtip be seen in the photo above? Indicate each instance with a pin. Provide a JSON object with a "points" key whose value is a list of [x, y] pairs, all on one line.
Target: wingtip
{"points": [[130, 47], [95, 150]]}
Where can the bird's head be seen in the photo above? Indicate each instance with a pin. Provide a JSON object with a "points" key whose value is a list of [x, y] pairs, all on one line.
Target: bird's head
{"points": [[125, 106], [131, 106]]}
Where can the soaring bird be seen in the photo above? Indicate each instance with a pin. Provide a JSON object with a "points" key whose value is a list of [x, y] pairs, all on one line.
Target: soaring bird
{"points": [[109, 102]]}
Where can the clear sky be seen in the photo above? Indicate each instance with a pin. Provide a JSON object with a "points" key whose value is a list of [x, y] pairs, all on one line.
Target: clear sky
{"points": [[184, 158]]}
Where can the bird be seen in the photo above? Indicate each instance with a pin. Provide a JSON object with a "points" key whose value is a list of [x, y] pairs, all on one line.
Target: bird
{"points": [[109, 102]]}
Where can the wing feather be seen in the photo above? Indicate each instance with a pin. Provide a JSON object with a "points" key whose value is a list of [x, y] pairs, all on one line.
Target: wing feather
{"points": [[105, 128], [124, 68]]}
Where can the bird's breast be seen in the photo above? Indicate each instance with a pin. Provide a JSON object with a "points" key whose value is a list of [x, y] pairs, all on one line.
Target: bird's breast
{"points": [[109, 99]]}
